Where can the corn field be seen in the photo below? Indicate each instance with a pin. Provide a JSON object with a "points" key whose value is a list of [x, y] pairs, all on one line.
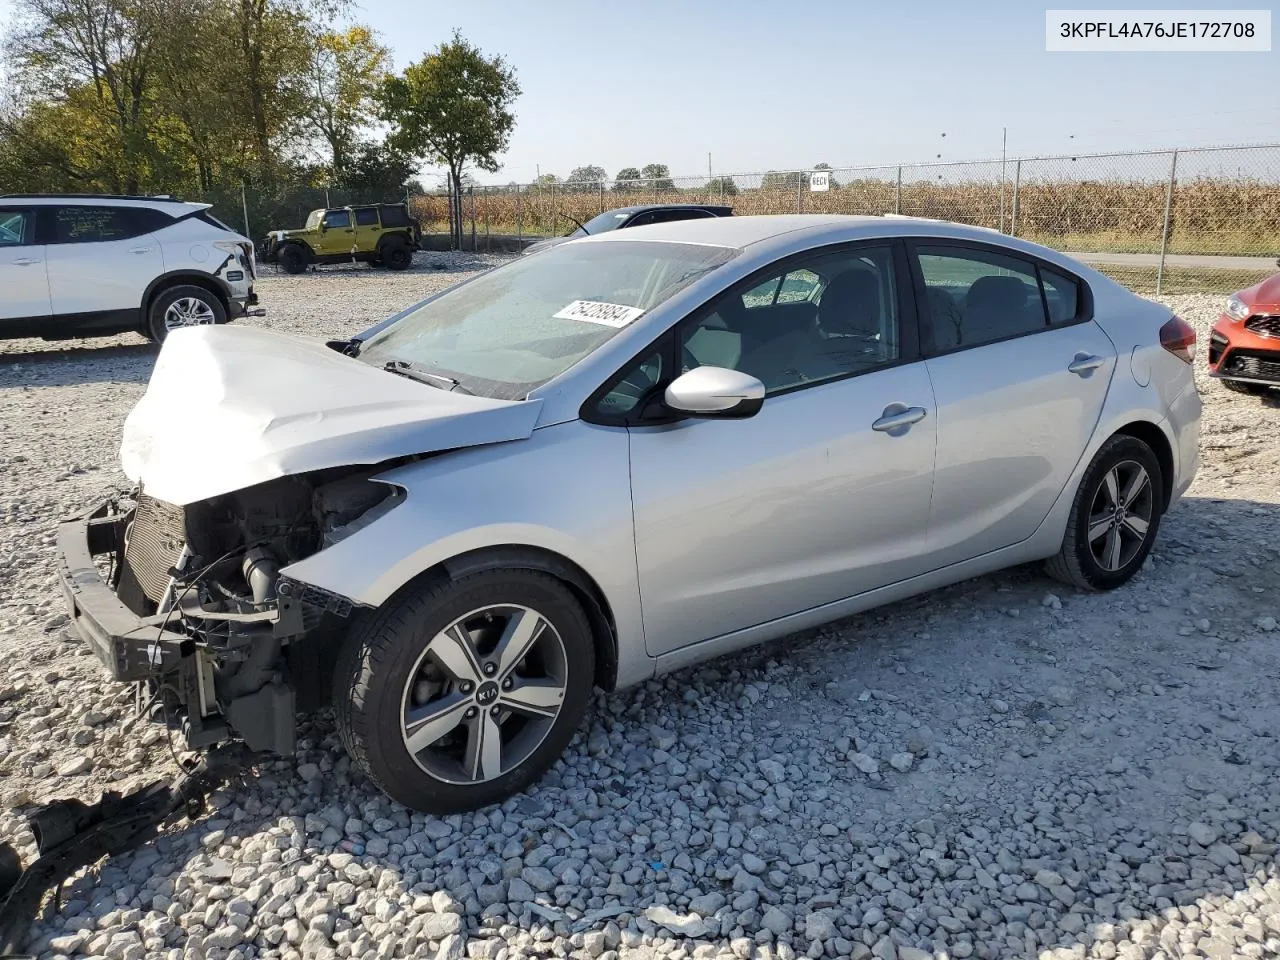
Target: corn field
{"points": [[1221, 201]]}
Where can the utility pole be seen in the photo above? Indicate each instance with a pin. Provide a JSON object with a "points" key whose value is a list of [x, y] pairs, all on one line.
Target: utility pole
{"points": [[1004, 141]]}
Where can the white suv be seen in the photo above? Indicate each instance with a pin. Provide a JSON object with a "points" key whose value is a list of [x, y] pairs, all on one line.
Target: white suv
{"points": [[91, 265]]}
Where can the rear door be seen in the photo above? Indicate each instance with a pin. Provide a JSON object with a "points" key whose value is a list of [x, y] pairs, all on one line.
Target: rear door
{"points": [[368, 229], [101, 258], [1020, 372], [24, 280]]}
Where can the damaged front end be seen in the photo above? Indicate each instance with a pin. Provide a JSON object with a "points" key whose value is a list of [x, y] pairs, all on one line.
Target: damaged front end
{"points": [[189, 603]]}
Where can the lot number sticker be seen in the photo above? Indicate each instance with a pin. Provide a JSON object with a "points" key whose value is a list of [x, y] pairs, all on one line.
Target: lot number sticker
{"points": [[593, 311]]}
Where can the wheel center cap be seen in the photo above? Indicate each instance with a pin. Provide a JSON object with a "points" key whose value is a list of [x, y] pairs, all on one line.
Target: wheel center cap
{"points": [[487, 693]]}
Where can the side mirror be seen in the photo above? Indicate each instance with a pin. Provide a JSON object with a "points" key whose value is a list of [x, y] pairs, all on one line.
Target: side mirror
{"points": [[715, 392]]}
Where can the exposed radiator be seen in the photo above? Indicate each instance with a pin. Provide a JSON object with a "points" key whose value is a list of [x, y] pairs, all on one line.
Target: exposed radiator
{"points": [[154, 544]]}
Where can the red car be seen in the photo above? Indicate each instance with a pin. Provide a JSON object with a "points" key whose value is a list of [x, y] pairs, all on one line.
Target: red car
{"points": [[1244, 347]]}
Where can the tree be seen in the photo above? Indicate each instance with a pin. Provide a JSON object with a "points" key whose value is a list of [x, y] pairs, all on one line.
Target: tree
{"points": [[780, 180], [374, 172], [658, 175], [722, 187], [346, 71], [586, 178], [626, 179], [453, 107]]}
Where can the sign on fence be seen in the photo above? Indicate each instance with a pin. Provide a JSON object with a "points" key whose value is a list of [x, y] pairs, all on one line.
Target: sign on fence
{"points": [[819, 181]]}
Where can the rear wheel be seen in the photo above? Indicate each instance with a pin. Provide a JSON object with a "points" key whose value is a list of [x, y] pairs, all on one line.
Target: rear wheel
{"points": [[1114, 518], [460, 693], [1252, 389], [396, 254], [183, 306], [292, 258]]}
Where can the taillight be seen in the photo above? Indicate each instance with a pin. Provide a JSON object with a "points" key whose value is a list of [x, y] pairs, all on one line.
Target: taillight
{"points": [[1179, 338]]}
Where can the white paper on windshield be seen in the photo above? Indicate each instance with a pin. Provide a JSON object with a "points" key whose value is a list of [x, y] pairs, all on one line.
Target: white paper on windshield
{"points": [[595, 311]]}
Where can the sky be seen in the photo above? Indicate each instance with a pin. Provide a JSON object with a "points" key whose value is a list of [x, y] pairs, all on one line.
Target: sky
{"points": [[765, 86]]}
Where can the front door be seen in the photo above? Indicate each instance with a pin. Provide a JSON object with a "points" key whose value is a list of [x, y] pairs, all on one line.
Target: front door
{"points": [[1020, 372], [338, 234], [821, 495], [24, 280]]}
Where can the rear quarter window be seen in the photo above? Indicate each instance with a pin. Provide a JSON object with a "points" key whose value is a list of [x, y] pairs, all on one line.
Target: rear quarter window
{"points": [[395, 217]]}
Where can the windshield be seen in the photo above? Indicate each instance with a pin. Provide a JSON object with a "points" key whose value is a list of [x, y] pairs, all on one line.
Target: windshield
{"points": [[313, 219], [514, 328], [611, 220]]}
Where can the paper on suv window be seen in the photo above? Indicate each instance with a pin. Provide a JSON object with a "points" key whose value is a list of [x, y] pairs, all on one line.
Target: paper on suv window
{"points": [[595, 311]]}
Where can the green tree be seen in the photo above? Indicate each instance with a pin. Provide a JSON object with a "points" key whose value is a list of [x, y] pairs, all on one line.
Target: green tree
{"points": [[722, 187], [658, 176], [453, 107], [626, 179], [347, 70], [585, 178]]}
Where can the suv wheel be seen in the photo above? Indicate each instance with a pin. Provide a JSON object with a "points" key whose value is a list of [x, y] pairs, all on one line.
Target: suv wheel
{"points": [[183, 306], [396, 254], [292, 258], [1114, 518], [458, 694]]}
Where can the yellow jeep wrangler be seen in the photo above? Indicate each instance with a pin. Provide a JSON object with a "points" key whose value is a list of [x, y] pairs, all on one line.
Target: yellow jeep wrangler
{"points": [[383, 234]]}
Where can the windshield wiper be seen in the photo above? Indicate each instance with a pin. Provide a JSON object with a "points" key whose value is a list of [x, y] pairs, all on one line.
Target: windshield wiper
{"points": [[414, 372], [578, 222]]}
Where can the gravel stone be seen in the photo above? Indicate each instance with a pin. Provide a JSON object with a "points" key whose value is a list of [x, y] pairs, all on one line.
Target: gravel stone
{"points": [[1093, 777]]}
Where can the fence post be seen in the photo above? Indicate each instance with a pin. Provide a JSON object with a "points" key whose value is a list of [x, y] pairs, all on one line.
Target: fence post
{"points": [[488, 245], [600, 196], [799, 194], [1168, 209], [897, 193], [472, 191], [655, 189], [1017, 182], [245, 206], [519, 219]]}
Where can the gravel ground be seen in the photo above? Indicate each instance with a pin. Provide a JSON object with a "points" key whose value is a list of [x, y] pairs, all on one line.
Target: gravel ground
{"points": [[1004, 768]]}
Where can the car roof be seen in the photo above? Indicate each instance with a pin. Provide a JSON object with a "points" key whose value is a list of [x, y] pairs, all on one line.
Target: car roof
{"points": [[738, 232], [168, 204], [641, 207]]}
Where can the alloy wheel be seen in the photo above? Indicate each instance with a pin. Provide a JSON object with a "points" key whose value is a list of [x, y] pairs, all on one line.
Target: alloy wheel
{"points": [[188, 312], [1120, 515], [484, 694]]}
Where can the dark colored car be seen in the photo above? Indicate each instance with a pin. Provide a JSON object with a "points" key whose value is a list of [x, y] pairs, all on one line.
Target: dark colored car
{"points": [[637, 216], [1244, 346]]}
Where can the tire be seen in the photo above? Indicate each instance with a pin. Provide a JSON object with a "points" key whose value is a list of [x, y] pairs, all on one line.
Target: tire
{"points": [[406, 659], [292, 258], [183, 306], [1250, 389], [1098, 564], [396, 254]]}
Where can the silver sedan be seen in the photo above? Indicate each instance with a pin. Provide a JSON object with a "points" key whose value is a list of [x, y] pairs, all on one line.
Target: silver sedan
{"points": [[617, 458]]}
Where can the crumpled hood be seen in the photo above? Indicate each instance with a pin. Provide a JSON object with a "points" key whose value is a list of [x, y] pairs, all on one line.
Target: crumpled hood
{"points": [[229, 407]]}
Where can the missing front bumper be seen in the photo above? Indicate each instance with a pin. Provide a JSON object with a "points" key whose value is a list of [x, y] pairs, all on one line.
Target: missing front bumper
{"points": [[160, 651]]}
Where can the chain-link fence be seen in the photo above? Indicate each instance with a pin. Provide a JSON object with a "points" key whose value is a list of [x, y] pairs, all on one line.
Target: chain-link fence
{"points": [[1205, 219]]}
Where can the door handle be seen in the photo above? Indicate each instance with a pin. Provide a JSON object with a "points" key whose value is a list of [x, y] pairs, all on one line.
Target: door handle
{"points": [[898, 416], [1085, 363], [140, 249], [25, 261]]}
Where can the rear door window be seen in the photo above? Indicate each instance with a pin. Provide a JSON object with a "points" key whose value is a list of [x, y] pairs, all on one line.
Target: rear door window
{"points": [[367, 217], [85, 224], [976, 296]]}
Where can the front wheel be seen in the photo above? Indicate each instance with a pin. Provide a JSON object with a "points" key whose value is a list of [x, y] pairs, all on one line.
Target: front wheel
{"points": [[460, 693], [183, 306], [292, 258], [1114, 518]]}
